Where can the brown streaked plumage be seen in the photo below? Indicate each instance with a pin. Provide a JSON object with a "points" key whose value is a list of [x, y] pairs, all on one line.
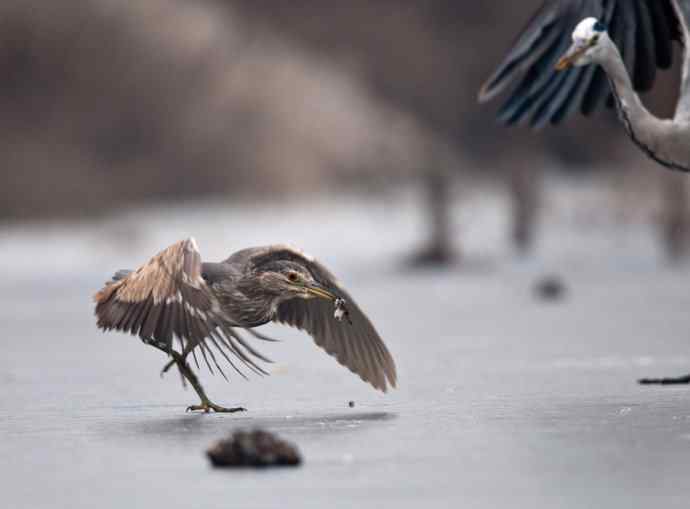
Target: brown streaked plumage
{"points": [[175, 295]]}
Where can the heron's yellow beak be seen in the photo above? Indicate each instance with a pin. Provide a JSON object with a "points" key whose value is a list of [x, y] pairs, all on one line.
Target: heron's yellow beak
{"points": [[571, 56], [320, 291]]}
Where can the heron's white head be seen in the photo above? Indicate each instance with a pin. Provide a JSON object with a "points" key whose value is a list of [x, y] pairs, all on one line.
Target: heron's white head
{"points": [[587, 44]]}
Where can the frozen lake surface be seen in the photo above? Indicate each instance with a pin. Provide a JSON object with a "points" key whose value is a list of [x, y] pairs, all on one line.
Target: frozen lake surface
{"points": [[504, 401]]}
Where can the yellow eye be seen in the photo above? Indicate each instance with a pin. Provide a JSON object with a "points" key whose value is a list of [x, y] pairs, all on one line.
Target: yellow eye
{"points": [[293, 277]]}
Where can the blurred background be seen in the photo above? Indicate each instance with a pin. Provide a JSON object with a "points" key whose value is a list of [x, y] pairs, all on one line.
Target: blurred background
{"points": [[110, 105], [522, 280]]}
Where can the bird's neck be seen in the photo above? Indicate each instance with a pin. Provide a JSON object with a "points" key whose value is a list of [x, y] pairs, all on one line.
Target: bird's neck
{"points": [[682, 8], [637, 120], [647, 131]]}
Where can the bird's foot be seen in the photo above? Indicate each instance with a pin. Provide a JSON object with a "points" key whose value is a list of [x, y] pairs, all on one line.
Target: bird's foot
{"points": [[665, 381], [207, 406]]}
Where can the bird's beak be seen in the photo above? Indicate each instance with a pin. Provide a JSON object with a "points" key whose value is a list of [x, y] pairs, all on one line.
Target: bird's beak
{"points": [[319, 291], [571, 56]]}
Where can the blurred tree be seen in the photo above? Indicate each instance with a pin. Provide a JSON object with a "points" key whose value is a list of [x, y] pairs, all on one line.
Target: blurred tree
{"points": [[109, 103], [526, 183], [424, 57], [675, 220], [437, 181]]}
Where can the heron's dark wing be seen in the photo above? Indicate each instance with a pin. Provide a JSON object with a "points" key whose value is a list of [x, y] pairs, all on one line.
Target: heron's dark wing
{"points": [[167, 297], [643, 30], [354, 343]]}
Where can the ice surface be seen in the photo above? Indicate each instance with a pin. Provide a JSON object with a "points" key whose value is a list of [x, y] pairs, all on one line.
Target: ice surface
{"points": [[504, 401]]}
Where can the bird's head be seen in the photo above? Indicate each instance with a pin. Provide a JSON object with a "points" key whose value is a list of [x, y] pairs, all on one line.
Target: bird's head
{"points": [[289, 279], [588, 38]]}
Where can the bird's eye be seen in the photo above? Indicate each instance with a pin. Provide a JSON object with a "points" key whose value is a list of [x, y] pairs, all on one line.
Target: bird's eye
{"points": [[204, 276], [293, 277], [599, 27], [594, 40]]}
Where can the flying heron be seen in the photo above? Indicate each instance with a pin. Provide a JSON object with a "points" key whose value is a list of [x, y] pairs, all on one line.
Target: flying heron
{"points": [[629, 39], [203, 304]]}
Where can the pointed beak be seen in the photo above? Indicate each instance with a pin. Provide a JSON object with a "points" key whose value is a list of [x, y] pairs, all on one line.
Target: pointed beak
{"points": [[571, 56], [319, 291]]}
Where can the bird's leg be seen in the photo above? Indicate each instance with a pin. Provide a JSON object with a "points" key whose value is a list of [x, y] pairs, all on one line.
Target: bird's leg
{"points": [[170, 365], [167, 367], [666, 381], [206, 404]]}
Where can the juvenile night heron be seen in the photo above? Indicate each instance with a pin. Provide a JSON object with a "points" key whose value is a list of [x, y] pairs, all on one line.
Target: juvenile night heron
{"points": [[202, 304], [629, 39]]}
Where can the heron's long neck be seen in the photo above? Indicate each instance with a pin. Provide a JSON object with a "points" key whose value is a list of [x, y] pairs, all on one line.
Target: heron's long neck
{"points": [[636, 119]]}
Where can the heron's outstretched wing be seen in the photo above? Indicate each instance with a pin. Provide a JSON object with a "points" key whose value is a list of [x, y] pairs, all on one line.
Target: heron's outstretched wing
{"points": [[167, 297], [643, 30], [354, 343], [683, 108]]}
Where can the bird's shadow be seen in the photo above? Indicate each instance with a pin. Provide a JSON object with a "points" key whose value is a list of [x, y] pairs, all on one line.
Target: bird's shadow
{"points": [[193, 427]]}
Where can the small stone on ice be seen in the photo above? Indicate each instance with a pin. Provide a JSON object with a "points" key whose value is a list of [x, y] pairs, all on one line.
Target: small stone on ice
{"points": [[550, 288], [253, 449]]}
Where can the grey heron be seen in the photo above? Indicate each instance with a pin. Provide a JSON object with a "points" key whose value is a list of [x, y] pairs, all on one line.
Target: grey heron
{"points": [[202, 304], [629, 40]]}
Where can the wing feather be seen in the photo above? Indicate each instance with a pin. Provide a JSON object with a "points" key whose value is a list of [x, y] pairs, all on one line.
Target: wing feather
{"points": [[167, 298], [642, 29], [356, 345]]}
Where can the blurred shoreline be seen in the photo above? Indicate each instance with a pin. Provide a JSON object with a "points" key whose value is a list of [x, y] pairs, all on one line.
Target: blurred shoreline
{"points": [[580, 219]]}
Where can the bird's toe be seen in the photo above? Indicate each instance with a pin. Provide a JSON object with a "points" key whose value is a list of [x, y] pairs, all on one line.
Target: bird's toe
{"points": [[208, 407], [217, 408]]}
